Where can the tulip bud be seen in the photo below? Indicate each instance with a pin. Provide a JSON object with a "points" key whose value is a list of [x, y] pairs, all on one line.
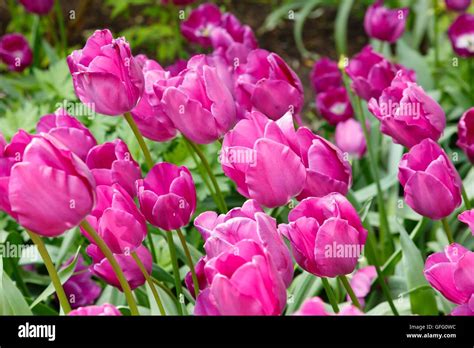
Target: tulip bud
{"points": [[40, 7], [461, 34], [466, 134], [350, 138], [102, 310], [325, 75], [385, 24], [361, 282], [457, 5], [468, 218], [334, 105], [15, 52]]}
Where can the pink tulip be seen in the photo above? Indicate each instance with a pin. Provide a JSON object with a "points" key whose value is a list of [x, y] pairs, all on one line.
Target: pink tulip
{"points": [[385, 24], [175, 68], [253, 154], [178, 2], [461, 34], [112, 163], [167, 196], [466, 134], [200, 24], [105, 74], [201, 105], [326, 235], [267, 84], [40, 7], [361, 282], [349, 137], [103, 310], [457, 5], [334, 105], [468, 218], [201, 276], [407, 113], [69, 131], [325, 75], [316, 307], [15, 52], [431, 183], [242, 281]]}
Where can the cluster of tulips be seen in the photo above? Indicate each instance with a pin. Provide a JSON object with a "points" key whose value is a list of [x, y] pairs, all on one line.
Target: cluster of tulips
{"points": [[250, 101]]}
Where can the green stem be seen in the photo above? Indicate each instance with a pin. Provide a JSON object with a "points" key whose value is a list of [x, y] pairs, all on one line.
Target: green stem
{"points": [[330, 294], [62, 30], [447, 230], [350, 291], [152, 247], [465, 197], [165, 289], [174, 262], [190, 261], [146, 152], [436, 33], [63, 301], [36, 30], [149, 282], [114, 264]]}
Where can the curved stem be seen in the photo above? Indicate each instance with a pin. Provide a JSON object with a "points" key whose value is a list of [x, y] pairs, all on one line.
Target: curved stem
{"points": [[146, 152], [174, 262], [465, 197], [62, 29], [164, 288], [330, 294], [447, 230], [115, 266], [149, 281], [63, 301], [190, 261], [350, 291]]}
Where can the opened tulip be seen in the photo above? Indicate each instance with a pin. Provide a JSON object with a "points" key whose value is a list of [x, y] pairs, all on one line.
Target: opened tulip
{"points": [[167, 196], [461, 34], [69, 131], [466, 134], [334, 105], [431, 183], [457, 5], [361, 282], [316, 307], [349, 137], [267, 84], [112, 163], [468, 218], [202, 20], [326, 235], [40, 7], [15, 52], [325, 75], [101, 310], [407, 113], [105, 74], [385, 24]]}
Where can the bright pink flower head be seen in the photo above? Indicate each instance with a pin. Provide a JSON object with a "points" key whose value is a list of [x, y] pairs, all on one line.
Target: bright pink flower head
{"points": [[468, 218], [349, 137], [431, 183], [407, 113], [457, 5], [201, 105], [112, 163], [461, 34], [167, 196], [15, 52], [242, 281], [371, 73], [316, 307], [326, 235], [267, 84], [40, 7], [103, 310], [466, 134], [334, 105], [253, 154], [325, 75], [200, 24], [361, 282], [69, 131], [102, 268], [385, 24], [105, 74], [178, 2]]}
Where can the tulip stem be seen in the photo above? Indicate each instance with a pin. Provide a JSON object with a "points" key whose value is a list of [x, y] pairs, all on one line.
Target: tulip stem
{"points": [[436, 33], [330, 294], [465, 197], [177, 279], [350, 291], [149, 282], [190, 261], [63, 301], [133, 126], [114, 264], [62, 29], [447, 230]]}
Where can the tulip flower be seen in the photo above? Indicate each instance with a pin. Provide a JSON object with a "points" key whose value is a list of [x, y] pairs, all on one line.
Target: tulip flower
{"points": [[326, 235], [361, 282], [40, 7], [468, 218], [461, 34], [385, 24], [49, 190], [201, 105], [253, 154], [105, 74], [167, 196], [69, 131], [334, 105], [371, 73], [316, 307], [80, 289], [325, 75], [175, 68], [242, 281], [15, 52], [267, 84], [111, 163], [407, 113], [466, 134], [201, 276], [457, 5], [349, 137], [431, 183], [102, 310], [178, 2], [200, 23]]}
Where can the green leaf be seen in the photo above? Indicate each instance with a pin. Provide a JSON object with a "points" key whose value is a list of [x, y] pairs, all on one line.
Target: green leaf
{"points": [[340, 29], [414, 60], [12, 301], [304, 286]]}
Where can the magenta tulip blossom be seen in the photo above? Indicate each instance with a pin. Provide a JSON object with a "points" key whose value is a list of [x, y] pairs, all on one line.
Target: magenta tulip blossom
{"points": [[175, 68], [69, 131], [325, 75], [40, 7], [466, 134], [267, 84], [111, 163], [105, 74], [457, 5], [200, 24], [326, 235], [431, 183], [407, 113], [102, 310], [167, 196], [15, 52], [349, 137], [461, 34], [361, 282], [385, 24], [468, 218], [316, 307], [178, 2], [334, 105]]}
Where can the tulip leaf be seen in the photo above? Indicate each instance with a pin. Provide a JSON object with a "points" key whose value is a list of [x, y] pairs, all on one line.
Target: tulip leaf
{"points": [[304, 286], [340, 28], [12, 301], [414, 60]]}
